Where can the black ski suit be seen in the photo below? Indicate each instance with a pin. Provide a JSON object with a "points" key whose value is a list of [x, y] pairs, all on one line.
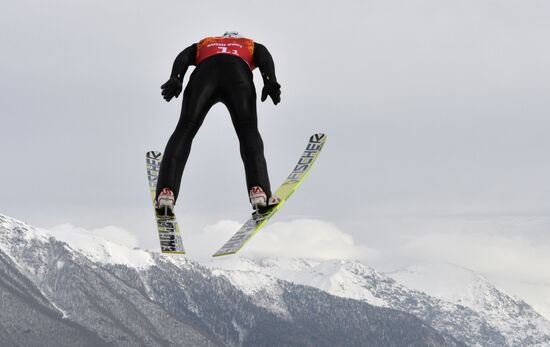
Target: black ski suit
{"points": [[220, 78]]}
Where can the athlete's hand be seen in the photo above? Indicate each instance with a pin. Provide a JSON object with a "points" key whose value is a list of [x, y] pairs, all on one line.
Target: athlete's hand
{"points": [[273, 89], [172, 88]]}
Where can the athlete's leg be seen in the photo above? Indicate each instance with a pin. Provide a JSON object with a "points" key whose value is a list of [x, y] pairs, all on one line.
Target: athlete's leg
{"points": [[198, 98], [241, 103]]}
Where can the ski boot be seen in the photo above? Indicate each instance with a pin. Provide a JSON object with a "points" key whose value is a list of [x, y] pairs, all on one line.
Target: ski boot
{"points": [[165, 203], [260, 202]]}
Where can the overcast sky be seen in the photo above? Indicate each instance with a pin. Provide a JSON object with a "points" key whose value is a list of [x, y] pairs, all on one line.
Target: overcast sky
{"points": [[436, 112]]}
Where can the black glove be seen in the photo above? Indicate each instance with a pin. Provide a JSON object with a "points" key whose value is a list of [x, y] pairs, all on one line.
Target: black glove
{"points": [[273, 89], [172, 88]]}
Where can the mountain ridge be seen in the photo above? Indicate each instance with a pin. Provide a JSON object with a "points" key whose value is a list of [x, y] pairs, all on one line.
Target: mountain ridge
{"points": [[506, 321], [139, 298]]}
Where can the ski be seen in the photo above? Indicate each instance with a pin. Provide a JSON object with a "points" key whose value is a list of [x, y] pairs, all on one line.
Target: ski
{"points": [[168, 228], [293, 181]]}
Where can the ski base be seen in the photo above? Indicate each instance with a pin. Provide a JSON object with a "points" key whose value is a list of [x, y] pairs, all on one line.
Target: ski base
{"points": [[293, 181]]}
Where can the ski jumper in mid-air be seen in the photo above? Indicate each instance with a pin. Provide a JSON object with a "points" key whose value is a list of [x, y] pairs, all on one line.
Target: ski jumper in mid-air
{"points": [[223, 74]]}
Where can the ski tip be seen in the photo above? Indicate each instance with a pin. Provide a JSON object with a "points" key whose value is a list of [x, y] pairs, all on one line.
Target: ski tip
{"points": [[153, 154], [319, 137]]}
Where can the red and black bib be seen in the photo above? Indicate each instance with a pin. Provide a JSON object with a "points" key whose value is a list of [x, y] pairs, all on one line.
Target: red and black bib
{"points": [[240, 47]]}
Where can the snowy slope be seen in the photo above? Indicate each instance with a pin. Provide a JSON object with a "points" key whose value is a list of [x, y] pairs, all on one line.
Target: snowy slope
{"points": [[461, 286], [453, 300], [326, 275], [123, 296], [80, 270]]}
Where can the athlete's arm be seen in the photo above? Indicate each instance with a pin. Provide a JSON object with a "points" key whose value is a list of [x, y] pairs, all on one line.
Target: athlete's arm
{"points": [[264, 61], [185, 59], [172, 88]]}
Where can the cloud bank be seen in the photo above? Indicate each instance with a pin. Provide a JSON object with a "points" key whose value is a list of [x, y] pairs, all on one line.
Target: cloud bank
{"points": [[307, 238]]}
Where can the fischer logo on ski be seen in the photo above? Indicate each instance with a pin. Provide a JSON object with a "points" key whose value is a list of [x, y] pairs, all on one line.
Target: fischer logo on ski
{"points": [[308, 157]]}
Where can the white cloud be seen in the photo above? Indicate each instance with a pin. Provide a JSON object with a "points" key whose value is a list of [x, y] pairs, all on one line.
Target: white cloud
{"points": [[515, 263], [201, 245], [109, 244], [74, 235], [487, 253], [308, 238]]}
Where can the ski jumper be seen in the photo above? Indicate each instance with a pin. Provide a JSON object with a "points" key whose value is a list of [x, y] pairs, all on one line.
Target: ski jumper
{"points": [[223, 74]]}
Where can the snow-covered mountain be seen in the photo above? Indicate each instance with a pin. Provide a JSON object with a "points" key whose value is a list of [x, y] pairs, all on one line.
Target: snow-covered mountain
{"points": [[451, 299], [88, 291], [58, 285], [515, 319]]}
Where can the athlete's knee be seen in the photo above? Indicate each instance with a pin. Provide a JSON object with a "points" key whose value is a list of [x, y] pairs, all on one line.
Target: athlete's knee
{"points": [[188, 127], [252, 151]]}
